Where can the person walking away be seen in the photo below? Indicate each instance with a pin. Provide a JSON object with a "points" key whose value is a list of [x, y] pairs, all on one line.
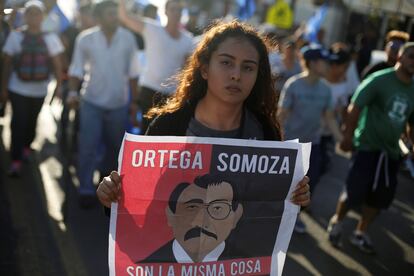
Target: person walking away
{"points": [[104, 59], [341, 89], [306, 100], [26, 74], [380, 111]]}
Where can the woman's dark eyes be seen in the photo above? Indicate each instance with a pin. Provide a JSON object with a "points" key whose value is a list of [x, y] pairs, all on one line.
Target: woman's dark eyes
{"points": [[246, 67]]}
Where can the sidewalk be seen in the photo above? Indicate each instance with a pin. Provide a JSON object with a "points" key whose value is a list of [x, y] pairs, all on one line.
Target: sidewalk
{"points": [[50, 235], [27, 246], [47, 233]]}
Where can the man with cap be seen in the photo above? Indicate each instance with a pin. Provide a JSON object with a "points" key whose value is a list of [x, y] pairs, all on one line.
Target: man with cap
{"points": [[394, 40], [381, 109], [305, 100], [341, 89]]}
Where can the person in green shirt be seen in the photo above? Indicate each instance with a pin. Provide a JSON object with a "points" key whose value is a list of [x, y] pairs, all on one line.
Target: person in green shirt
{"points": [[380, 111]]}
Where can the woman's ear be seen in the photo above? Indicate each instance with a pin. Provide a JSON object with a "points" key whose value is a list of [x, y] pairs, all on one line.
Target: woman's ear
{"points": [[204, 70]]}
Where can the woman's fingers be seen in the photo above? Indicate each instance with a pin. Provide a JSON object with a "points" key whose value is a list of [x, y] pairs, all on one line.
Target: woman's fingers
{"points": [[115, 177], [301, 195], [302, 186], [302, 199], [108, 189], [103, 197]]}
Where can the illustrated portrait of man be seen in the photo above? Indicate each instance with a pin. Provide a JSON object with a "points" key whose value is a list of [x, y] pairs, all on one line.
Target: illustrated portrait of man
{"points": [[202, 215]]}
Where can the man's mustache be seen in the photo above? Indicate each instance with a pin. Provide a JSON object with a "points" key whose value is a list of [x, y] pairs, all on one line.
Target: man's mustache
{"points": [[196, 232]]}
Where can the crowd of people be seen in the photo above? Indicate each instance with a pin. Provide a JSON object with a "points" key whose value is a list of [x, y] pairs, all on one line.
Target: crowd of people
{"points": [[286, 89]]}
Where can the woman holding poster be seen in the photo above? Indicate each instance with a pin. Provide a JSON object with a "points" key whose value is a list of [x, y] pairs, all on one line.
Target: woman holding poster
{"points": [[224, 91]]}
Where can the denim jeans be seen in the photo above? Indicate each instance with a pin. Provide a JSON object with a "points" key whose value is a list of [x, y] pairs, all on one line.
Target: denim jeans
{"points": [[98, 125]]}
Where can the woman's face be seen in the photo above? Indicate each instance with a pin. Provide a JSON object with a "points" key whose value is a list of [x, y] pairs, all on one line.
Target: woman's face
{"points": [[232, 71]]}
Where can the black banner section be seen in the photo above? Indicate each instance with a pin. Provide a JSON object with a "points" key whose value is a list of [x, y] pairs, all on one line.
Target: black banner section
{"points": [[263, 177]]}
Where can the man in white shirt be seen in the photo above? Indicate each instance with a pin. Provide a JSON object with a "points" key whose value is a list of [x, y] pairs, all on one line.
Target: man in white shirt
{"points": [[166, 49], [104, 58]]}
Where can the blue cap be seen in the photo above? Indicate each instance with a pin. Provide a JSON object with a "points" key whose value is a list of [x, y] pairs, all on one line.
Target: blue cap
{"points": [[314, 52]]}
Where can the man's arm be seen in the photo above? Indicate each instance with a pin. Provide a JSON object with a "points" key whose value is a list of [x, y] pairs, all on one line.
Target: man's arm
{"points": [[7, 69], [76, 71], [411, 134], [350, 125], [64, 56], [332, 124], [133, 84], [72, 99], [133, 23], [133, 108], [285, 103], [74, 83], [57, 70]]}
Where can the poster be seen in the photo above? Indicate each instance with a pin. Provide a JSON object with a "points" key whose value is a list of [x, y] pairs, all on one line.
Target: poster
{"points": [[204, 206]]}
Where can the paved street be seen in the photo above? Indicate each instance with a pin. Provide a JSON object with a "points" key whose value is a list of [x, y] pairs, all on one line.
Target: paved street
{"points": [[44, 232]]}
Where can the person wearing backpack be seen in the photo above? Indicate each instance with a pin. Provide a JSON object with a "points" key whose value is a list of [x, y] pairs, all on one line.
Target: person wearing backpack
{"points": [[30, 57]]}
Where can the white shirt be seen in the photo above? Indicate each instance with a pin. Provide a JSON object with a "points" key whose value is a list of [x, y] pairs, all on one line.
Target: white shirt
{"points": [[105, 68], [352, 77], [340, 93], [51, 23], [182, 257], [12, 47], [165, 56]]}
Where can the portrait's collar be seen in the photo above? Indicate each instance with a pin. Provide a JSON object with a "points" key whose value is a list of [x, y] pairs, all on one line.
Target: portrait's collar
{"points": [[182, 257]]}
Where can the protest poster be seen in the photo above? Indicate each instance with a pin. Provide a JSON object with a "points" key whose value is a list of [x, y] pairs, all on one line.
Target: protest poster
{"points": [[204, 206]]}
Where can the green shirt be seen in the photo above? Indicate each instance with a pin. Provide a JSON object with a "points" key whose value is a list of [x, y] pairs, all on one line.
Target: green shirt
{"points": [[386, 104]]}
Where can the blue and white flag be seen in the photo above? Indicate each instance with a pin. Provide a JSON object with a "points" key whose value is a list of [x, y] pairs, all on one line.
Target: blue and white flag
{"points": [[314, 24], [246, 9]]}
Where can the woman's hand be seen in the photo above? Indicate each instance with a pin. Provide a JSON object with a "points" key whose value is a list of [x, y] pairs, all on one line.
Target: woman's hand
{"points": [[108, 189], [301, 194]]}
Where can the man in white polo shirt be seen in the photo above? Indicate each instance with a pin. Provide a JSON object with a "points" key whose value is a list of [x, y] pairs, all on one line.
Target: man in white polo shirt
{"points": [[104, 59], [166, 49]]}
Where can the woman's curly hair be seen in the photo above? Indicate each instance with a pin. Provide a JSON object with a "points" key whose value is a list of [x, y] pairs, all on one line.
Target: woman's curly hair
{"points": [[192, 86]]}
